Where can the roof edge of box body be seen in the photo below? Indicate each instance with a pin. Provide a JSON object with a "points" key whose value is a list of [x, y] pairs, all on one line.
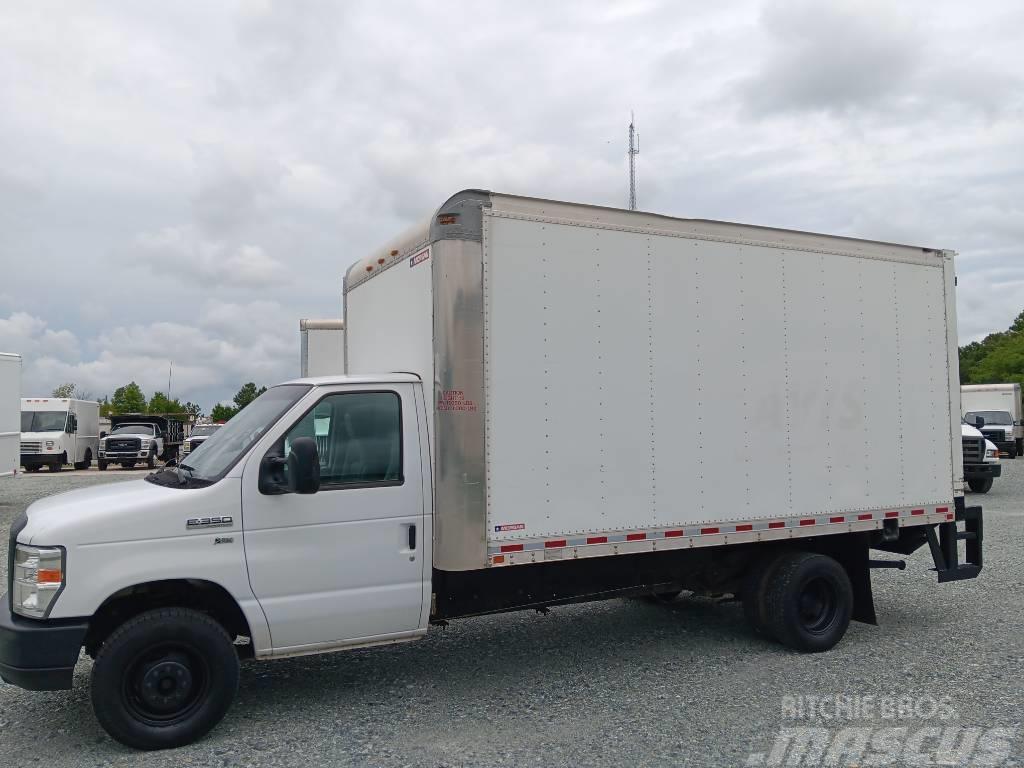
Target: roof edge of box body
{"points": [[459, 218]]}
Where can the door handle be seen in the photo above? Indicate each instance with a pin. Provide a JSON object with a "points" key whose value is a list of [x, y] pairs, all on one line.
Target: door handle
{"points": [[412, 537]]}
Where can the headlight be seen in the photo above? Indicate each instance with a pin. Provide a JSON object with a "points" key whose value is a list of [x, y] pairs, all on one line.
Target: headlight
{"points": [[49, 444], [38, 577], [992, 453]]}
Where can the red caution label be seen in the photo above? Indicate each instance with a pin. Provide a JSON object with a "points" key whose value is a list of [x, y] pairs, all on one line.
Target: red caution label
{"points": [[455, 400]]}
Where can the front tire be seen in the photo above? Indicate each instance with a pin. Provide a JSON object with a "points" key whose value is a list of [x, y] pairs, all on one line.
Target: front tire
{"points": [[151, 460], [101, 465], [980, 484], [164, 678], [809, 601]]}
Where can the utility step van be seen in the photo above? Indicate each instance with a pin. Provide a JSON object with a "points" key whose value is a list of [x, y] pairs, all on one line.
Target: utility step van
{"points": [[56, 431], [545, 404]]}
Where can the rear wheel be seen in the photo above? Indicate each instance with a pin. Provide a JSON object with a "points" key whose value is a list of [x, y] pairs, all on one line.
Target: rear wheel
{"points": [[164, 678], [980, 484], [753, 591], [809, 601]]}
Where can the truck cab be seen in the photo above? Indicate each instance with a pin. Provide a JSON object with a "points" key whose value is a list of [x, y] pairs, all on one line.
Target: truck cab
{"points": [[58, 431], [981, 459], [996, 426], [198, 436], [140, 438]]}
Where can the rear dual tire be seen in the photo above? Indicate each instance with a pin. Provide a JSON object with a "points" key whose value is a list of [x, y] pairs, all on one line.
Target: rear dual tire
{"points": [[980, 484], [164, 678], [802, 599]]}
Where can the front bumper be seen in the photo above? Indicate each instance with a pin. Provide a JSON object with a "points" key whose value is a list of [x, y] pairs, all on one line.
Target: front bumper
{"points": [[119, 455], [972, 471], [39, 655], [39, 459]]}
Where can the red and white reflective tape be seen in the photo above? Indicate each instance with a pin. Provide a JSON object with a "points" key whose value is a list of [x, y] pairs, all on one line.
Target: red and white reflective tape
{"points": [[533, 550]]}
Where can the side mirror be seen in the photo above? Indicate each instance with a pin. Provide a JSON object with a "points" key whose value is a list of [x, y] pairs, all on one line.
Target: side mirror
{"points": [[979, 422], [299, 473], [303, 466], [102, 435]]}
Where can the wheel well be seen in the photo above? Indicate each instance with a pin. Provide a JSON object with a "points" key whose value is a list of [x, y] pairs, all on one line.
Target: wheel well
{"points": [[205, 596]]}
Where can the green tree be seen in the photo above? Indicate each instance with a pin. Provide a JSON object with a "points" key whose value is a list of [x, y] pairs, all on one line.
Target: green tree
{"points": [[193, 409], [66, 389], [221, 412], [159, 403], [996, 359], [247, 394], [128, 399]]}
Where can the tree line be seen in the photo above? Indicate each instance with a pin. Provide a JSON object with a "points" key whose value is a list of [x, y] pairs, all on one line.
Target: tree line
{"points": [[996, 359], [131, 399]]}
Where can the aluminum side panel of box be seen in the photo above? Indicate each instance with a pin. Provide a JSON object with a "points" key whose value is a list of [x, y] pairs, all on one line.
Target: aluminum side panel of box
{"points": [[460, 541]]}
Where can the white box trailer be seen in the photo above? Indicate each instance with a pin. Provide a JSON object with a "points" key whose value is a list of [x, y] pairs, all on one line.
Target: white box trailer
{"points": [[58, 430], [545, 404], [321, 347], [10, 410], [1001, 409], [609, 382]]}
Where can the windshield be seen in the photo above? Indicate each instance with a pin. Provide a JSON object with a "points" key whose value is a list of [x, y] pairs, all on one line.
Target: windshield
{"points": [[133, 429], [991, 417], [230, 442], [204, 431], [43, 421]]}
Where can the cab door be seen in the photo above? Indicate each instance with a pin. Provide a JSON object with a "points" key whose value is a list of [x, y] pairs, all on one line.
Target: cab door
{"points": [[343, 565]]}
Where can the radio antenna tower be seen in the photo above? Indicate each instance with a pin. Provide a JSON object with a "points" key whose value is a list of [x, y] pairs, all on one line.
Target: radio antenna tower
{"points": [[634, 150]]}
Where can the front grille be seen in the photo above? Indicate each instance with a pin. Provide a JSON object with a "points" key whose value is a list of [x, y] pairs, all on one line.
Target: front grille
{"points": [[974, 450], [31, 447], [120, 445], [996, 436], [193, 444]]}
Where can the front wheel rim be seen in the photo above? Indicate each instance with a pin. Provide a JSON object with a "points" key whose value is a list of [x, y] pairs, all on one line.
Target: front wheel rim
{"points": [[166, 684]]}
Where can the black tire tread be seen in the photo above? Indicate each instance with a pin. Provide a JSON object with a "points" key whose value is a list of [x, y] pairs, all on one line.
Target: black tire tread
{"points": [[778, 594], [105, 707]]}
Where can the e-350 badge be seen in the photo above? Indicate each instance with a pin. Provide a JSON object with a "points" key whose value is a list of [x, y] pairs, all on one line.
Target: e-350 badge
{"points": [[208, 522]]}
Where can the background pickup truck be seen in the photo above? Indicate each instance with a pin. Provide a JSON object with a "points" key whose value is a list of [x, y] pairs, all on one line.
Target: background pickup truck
{"points": [[981, 459]]}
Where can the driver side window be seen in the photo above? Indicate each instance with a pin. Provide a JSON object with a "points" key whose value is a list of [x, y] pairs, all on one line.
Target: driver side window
{"points": [[358, 438]]}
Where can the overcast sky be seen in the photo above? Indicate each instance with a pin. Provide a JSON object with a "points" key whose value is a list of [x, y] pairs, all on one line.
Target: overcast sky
{"points": [[183, 181]]}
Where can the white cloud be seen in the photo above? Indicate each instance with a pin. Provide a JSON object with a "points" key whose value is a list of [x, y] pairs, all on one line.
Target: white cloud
{"points": [[218, 167]]}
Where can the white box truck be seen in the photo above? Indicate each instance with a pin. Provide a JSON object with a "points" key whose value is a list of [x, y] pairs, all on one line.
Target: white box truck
{"points": [[999, 408], [321, 347], [592, 403], [10, 410], [56, 431]]}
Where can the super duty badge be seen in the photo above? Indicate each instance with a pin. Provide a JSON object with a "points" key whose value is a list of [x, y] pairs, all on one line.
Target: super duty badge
{"points": [[208, 522]]}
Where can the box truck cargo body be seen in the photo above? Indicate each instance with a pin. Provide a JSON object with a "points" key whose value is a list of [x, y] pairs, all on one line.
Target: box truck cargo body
{"points": [[544, 404], [608, 381], [56, 431], [10, 410], [1001, 409], [321, 347]]}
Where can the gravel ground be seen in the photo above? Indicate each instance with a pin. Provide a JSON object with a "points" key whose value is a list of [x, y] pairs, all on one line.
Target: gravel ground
{"points": [[618, 683]]}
